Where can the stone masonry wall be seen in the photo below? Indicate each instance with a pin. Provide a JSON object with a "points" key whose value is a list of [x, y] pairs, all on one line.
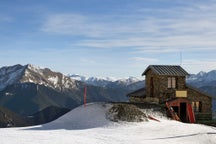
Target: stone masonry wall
{"points": [[160, 89], [206, 101]]}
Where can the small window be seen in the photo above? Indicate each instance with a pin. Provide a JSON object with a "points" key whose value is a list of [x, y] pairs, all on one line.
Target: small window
{"points": [[197, 106], [171, 82]]}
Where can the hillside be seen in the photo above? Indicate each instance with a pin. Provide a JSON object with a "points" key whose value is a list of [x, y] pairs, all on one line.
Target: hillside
{"points": [[46, 115], [89, 124], [10, 119]]}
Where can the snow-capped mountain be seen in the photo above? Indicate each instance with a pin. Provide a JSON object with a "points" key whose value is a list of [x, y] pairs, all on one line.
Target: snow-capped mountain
{"points": [[203, 76], [206, 81], [130, 83], [85, 79], [32, 74], [202, 79], [96, 81], [28, 89]]}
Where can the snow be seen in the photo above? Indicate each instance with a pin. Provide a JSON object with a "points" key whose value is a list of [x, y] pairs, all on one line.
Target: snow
{"points": [[53, 80], [88, 125], [130, 79], [9, 75], [36, 69], [203, 76]]}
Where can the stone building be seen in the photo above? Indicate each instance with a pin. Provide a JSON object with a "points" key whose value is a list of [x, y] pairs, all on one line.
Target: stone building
{"points": [[167, 83]]}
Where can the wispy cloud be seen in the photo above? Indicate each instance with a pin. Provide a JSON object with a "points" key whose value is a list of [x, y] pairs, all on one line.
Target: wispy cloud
{"points": [[199, 64], [188, 27], [184, 28], [71, 24], [87, 61], [144, 59]]}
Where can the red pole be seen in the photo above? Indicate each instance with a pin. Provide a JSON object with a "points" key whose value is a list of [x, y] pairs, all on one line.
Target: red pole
{"points": [[85, 96]]}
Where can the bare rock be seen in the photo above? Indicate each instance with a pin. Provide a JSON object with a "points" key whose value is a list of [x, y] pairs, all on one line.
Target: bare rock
{"points": [[125, 112]]}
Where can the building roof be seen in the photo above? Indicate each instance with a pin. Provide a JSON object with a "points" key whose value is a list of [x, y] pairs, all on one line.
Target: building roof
{"points": [[199, 91], [169, 70], [138, 93]]}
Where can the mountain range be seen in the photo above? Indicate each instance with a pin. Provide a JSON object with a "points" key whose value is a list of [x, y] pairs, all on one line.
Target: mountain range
{"points": [[128, 84], [205, 81], [34, 93], [28, 89]]}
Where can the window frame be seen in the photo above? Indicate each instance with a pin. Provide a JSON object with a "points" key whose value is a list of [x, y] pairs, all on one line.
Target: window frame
{"points": [[197, 106], [171, 82]]}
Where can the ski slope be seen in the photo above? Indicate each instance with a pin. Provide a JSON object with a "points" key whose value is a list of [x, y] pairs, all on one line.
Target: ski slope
{"points": [[88, 125]]}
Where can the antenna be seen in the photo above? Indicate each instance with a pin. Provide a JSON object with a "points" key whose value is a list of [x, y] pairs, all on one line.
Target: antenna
{"points": [[180, 58]]}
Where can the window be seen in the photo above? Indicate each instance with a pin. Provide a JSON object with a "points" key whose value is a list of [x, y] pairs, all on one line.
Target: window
{"points": [[197, 106], [171, 82]]}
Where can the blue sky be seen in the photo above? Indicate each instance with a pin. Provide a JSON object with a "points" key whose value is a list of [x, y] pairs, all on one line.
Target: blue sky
{"points": [[116, 38]]}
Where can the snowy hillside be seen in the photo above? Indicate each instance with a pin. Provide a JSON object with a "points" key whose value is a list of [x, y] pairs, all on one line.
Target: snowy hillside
{"points": [[88, 125]]}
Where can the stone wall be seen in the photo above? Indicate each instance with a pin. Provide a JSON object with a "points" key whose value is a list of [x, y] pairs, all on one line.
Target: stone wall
{"points": [[144, 100], [206, 103], [149, 74], [160, 89]]}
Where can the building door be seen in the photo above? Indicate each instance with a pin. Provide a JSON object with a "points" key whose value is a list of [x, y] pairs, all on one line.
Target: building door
{"points": [[151, 87], [183, 111]]}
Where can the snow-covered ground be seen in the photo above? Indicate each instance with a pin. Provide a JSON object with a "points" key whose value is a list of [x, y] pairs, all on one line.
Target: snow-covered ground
{"points": [[88, 125]]}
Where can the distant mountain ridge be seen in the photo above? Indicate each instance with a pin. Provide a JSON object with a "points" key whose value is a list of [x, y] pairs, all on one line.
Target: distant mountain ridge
{"points": [[205, 81], [130, 83], [204, 77]]}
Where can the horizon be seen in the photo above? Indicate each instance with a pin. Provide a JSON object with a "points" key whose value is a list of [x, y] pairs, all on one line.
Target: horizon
{"points": [[93, 76], [107, 38]]}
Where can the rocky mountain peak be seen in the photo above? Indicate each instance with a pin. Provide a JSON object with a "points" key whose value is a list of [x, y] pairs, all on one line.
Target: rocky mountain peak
{"points": [[10, 75], [47, 77], [34, 74]]}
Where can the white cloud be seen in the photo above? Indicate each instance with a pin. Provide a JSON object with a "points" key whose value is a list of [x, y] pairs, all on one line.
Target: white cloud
{"points": [[144, 59], [196, 65], [189, 27], [71, 24], [87, 61]]}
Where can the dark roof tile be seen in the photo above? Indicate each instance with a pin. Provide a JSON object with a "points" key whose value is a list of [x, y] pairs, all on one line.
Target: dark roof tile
{"points": [[169, 70]]}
